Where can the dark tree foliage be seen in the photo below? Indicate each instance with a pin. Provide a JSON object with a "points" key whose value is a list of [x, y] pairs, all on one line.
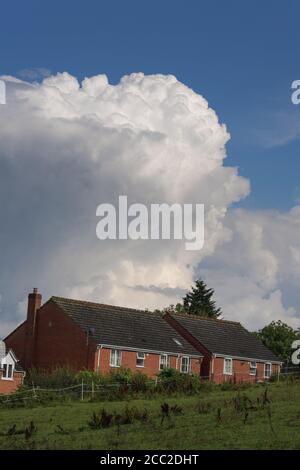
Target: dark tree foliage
{"points": [[199, 301], [278, 337]]}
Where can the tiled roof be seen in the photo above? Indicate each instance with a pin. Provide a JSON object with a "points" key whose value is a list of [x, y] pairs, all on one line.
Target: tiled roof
{"points": [[18, 367], [226, 338], [125, 327]]}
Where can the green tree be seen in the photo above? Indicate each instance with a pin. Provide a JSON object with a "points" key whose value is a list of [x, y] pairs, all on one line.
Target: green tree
{"points": [[278, 337], [199, 301], [170, 309]]}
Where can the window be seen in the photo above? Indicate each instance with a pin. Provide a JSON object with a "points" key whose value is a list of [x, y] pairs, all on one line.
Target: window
{"points": [[164, 362], [253, 367], [268, 370], [7, 371], [228, 366], [115, 358], [140, 359], [185, 364]]}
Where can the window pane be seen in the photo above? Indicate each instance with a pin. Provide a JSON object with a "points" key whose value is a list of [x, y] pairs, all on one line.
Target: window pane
{"points": [[164, 362], [5, 371], [118, 361], [268, 370], [112, 357], [228, 366], [140, 359], [10, 370], [185, 364], [115, 357]]}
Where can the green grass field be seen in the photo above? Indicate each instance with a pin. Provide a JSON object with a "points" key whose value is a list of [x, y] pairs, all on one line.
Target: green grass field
{"points": [[211, 420]]}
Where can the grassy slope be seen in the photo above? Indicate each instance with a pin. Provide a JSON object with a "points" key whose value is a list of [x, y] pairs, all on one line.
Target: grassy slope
{"points": [[191, 430]]}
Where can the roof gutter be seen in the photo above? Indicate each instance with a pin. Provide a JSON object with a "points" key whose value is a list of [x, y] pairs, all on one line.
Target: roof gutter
{"points": [[151, 351], [251, 359]]}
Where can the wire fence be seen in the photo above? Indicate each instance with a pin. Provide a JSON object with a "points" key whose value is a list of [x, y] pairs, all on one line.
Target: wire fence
{"points": [[80, 391], [85, 390]]}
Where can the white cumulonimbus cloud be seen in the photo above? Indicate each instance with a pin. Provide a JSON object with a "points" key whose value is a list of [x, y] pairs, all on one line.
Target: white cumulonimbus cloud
{"points": [[67, 147], [256, 272]]}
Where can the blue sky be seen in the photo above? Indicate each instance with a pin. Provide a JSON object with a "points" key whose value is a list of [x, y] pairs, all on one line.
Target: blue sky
{"points": [[240, 56]]}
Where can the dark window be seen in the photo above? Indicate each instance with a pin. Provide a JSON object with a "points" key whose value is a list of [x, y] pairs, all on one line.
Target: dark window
{"points": [[7, 371], [140, 359]]}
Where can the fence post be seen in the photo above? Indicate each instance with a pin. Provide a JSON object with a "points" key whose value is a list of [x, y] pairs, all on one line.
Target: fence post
{"points": [[82, 390], [93, 389]]}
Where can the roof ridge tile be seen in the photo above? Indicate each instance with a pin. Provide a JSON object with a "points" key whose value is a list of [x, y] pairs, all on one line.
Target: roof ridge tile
{"points": [[98, 304], [200, 317]]}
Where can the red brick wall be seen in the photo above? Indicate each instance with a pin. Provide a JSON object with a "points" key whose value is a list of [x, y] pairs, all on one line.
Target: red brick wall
{"points": [[16, 342], [151, 367], [196, 365], [240, 371], [60, 342], [10, 386]]}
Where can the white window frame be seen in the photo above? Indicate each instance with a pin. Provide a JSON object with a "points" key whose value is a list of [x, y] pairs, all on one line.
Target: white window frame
{"points": [[231, 362], [167, 362], [265, 367], [6, 366], [115, 354], [140, 356], [188, 365], [251, 367]]}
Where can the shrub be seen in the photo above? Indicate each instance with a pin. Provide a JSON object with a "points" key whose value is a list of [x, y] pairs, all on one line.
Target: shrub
{"points": [[227, 386], [117, 384], [139, 382], [207, 386], [101, 420], [171, 380], [90, 378], [167, 410], [60, 377], [120, 376]]}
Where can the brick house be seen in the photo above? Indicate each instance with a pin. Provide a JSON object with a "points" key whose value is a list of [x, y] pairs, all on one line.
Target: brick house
{"points": [[230, 352], [11, 373], [86, 335]]}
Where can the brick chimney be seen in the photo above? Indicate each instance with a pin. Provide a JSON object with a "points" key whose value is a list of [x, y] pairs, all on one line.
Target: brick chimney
{"points": [[34, 303]]}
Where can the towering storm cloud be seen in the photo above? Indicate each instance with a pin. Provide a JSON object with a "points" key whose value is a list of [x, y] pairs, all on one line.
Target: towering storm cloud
{"points": [[67, 146]]}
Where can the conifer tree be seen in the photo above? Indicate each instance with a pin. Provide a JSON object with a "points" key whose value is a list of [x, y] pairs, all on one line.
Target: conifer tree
{"points": [[199, 301]]}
